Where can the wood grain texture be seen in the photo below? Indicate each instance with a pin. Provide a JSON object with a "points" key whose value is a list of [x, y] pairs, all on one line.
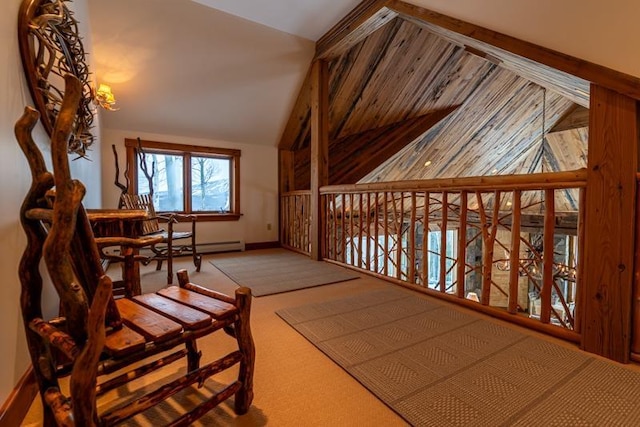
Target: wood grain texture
{"points": [[610, 224], [604, 77], [354, 156], [186, 316], [367, 17], [153, 326], [575, 118], [217, 309], [319, 151]]}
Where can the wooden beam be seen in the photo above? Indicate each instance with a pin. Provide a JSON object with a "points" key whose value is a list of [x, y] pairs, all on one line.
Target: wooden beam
{"points": [[575, 118], [319, 151], [285, 171], [605, 77], [354, 156], [298, 126], [366, 18], [609, 224]]}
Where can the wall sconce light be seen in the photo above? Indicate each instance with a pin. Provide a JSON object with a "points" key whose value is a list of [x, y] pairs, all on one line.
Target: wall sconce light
{"points": [[105, 98]]}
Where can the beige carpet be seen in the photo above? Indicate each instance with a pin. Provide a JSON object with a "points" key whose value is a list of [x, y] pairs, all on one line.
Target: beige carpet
{"points": [[273, 271], [295, 384], [439, 366]]}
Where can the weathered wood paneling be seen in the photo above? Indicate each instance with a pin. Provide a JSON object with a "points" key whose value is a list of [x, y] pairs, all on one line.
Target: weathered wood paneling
{"points": [[354, 156], [493, 132]]}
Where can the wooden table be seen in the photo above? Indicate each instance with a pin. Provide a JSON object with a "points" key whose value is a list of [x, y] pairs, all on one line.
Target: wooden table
{"points": [[123, 228]]}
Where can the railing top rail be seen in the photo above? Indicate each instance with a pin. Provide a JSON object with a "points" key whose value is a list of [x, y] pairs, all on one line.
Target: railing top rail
{"points": [[537, 181]]}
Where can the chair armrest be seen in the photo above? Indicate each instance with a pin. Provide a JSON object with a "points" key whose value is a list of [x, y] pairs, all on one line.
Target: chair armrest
{"points": [[176, 217], [139, 242]]}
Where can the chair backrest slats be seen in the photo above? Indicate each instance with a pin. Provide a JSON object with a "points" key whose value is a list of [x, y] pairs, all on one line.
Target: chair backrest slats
{"points": [[143, 202]]}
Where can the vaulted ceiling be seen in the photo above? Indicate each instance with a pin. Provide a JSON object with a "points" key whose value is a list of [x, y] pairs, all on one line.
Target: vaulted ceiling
{"points": [[441, 105]]}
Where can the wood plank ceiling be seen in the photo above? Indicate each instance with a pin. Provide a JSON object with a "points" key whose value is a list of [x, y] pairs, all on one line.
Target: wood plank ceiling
{"points": [[439, 104]]}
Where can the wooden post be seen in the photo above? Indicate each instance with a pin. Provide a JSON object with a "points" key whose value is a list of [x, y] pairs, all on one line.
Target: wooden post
{"points": [[609, 224], [425, 241], [368, 233], [514, 257], [286, 171], [443, 241], [376, 248], [462, 245], [547, 255], [412, 241], [319, 150]]}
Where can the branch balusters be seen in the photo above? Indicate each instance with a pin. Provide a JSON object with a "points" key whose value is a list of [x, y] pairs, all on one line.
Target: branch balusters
{"points": [[391, 223]]}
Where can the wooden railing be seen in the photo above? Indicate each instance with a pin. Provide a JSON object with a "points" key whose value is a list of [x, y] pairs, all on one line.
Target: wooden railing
{"points": [[493, 255], [295, 220]]}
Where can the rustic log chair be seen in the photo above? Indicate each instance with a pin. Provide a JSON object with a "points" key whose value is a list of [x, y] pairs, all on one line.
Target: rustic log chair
{"points": [[95, 333], [151, 227]]}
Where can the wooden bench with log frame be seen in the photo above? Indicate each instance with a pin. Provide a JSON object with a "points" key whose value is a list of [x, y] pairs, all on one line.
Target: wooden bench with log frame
{"points": [[95, 333]]}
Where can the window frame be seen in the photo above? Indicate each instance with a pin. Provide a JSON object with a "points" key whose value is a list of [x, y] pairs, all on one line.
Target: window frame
{"points": [[187, 151]]}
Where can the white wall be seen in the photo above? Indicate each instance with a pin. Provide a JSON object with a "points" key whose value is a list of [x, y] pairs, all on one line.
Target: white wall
{"points": [[15, 179], [258, 186], [602, 32]]}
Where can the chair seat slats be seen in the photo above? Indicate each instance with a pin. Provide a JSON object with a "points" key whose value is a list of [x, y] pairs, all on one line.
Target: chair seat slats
{"points": [[153, 326], [217, 309], [189, 318], [123, 341]]}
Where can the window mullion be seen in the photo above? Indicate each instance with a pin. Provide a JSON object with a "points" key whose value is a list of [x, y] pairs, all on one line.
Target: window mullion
{"points": [[187, 183]]}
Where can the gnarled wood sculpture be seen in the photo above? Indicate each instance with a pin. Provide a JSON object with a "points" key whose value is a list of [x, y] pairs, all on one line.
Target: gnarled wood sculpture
{"points": [[96, 334]]}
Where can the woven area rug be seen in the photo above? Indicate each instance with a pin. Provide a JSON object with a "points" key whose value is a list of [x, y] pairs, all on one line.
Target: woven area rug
{"points": [[437, 366], [272, 271]]}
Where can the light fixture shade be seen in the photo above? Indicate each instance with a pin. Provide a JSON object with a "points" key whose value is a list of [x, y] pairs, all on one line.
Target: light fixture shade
{"points": [[105, 98], [104, 89]]}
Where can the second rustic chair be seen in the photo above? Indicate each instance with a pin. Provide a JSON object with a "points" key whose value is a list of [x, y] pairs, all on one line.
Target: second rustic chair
{"points": [[168, 248]]}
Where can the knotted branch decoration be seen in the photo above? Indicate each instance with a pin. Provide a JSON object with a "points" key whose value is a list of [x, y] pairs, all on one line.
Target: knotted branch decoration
{"points": [[142, 157], [124, 188], [51, 48]]}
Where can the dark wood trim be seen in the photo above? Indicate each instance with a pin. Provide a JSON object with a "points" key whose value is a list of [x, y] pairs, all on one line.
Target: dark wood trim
{"points": [[185, 148], [208, 217], [286, 171], [17, 405], [319, 151], [352, 157], [610, 215], [575, 118], [261, 245], [298, 126], [617, 81]]}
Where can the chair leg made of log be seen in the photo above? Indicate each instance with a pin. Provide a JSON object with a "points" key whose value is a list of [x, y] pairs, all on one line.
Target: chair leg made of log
{"points": [[242, 327], [241, 331]]}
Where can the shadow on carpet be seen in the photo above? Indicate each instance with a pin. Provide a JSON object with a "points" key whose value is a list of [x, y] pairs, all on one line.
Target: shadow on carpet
{"points": [[273, 271], [438, 366]]}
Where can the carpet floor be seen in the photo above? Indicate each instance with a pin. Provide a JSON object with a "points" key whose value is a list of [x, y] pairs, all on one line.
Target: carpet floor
{"points": [[439, 366], [273, 271]]}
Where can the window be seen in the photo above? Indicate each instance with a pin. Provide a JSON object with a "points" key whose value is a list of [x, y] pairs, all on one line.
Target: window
{"points": [[189, 179], [434, 254]]}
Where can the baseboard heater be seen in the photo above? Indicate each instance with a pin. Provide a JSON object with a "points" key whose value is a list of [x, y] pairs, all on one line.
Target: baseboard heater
{"points": [[213, 247]]}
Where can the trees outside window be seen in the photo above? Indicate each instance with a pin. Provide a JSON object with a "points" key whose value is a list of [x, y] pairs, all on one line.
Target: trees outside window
{"points": [[189, 179]]}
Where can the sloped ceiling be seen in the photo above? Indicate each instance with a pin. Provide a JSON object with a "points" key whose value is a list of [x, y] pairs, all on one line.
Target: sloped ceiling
{"points": [[181, 68], [189, 68], [407, 69]]}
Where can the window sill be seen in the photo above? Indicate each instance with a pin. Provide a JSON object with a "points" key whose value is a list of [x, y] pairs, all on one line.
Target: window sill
{"points": [[206, 217]]}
